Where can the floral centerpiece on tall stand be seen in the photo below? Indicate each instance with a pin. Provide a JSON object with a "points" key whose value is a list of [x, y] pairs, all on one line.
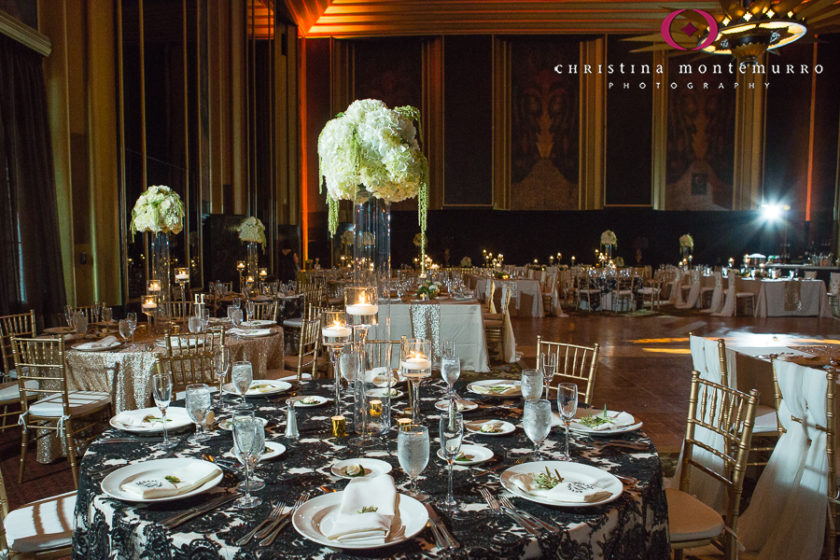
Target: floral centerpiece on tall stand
{"points": [[160, 211], [609, 242], [252, 233], [370, 154], [686, 247]]}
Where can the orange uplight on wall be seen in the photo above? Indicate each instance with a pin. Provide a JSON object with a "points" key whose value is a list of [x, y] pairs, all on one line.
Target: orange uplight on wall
{"points": [[260, 20]]}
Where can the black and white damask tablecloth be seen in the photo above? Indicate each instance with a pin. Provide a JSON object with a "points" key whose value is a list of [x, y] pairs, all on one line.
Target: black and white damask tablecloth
{"points": [[633, 526]]}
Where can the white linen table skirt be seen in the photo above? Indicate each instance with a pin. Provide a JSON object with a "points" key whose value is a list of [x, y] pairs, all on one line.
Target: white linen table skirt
{"points": [[813, 299]]}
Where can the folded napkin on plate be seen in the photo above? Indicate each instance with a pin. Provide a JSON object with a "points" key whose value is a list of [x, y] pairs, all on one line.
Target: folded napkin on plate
{"points": [[366, 511], [577, 488], [501, 389], [250, 332], [488, 427], [160, 484], [142, 418], [616, 420], [258, 387], [106, 342]]}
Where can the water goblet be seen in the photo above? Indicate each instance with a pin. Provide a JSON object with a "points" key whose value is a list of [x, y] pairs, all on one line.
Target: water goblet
{"points": [[131, 317], [241, 375], [221, 363], [450, 371], [124, 329], [107, 314], [236, 302], [194, 324], [567, 400], [548, 363], [451, 434], [236, 317], [413, 453], [250, 307], [249, 438], [536, 418], [532, 384], [198, 405], [162, 394]]}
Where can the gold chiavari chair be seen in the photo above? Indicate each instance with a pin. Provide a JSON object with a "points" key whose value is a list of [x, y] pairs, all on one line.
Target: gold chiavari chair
{"points": [[309, 345], [575, 363], [728, 413], [265, 310], [584, 291], [92, 312], [42, 529], [21, 325], [189, 358], [178, 310], [494, 323], [832, 527], [67, 413], [651, 292]]}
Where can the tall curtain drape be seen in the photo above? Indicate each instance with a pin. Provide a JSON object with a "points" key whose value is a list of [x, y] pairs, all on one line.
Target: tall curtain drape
{"points": [[30, 255]]}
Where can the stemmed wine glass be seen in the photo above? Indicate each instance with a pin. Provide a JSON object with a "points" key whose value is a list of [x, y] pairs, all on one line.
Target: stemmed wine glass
{"points": [[162, 393], [125, 329], [221, 363], [450, 368], [413, 453], [548, 362], [241, 375], [198, 405], [451, 435], [567, 399], [249, 437], [131, 317], [536, 417]]}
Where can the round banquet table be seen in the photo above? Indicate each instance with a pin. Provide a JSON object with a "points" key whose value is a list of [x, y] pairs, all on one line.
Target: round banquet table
{"points": [[632, 526]]}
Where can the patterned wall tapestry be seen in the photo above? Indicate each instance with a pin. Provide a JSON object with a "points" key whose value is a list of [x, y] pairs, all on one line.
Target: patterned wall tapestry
{"points": [[544, 125], [701, 144]]}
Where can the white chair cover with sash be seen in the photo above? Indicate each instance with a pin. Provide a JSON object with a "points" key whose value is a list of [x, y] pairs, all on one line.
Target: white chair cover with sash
{"points": [[787, 514], [717, 295], [676, 297], [693, 293], [728, 309]]}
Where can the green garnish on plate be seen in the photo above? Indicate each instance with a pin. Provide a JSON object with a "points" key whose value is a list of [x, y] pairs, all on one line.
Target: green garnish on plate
{"points": [[150, 418], [354, 471], [547, 481], [368, 509], [173, 479], [595, 421], [464, 457]]}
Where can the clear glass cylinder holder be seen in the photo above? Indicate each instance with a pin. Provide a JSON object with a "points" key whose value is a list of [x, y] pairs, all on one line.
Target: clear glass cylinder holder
{"points": [[416, 365], [160, 262], [335, 333], [253, 260]]}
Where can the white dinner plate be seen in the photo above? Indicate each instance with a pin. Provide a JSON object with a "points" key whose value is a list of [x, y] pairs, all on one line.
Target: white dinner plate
{"points": [[475, 428], [566, 469], [274, 449], [257, 324], [176, 417], [411, 518], [373, 467], [225, 423], [486, 387], [379, 393], [95, 347], [111, 483], [260, 388], [464, 405], [623, 417], [316, 400], [479, 454], [251, 333]]}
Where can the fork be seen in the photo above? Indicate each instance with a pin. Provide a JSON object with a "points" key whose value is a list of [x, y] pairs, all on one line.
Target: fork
{"points": [[285, 520], [275, 514], [494, 505], [547, 525]]}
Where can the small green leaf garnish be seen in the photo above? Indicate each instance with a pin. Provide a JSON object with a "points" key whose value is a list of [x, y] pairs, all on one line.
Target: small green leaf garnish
{"points": [[150, 418], [172, 479], [368, 509], [547, 481], [354, 470], [464, 457]]}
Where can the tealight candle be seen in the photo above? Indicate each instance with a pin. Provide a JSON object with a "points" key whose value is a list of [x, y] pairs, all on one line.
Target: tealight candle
{"points": [[416, 362], [403, 424], [153, 286], [249, 278], [362, 308], [182, 274], [263, 273], [149, 303], [339, 426], [336, 330], [376, 407], [240, 265]]}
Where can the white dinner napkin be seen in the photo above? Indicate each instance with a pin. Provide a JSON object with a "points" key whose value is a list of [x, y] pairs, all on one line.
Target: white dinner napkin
{"points": [[501, 389], [157, 483], [138, 418], [260, 387], [106, 342], [370, 527], [576, 488], [250, 332]]}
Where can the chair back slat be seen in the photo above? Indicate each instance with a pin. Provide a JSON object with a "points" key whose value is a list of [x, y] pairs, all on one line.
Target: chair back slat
{"points": [[92, 312], [41, 360], [265, 310], [189, 358], [18, 324], [178, 310], [575, 363], [310, 344]]}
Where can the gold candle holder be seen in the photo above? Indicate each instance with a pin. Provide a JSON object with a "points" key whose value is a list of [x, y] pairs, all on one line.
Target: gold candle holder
{"points": [[376, 408], [403, 424], [339, 426]]}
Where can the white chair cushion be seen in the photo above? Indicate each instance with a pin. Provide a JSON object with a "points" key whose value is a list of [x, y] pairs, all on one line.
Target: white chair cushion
{"points": [[80, 402], [765, 420], [10, 392], [42, 525], [745, 294], [293, 323], [689, 519]]}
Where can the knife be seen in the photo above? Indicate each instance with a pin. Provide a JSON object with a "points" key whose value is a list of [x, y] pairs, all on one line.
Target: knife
{"points": [[215, 503], [440, 542], [436, 520]]}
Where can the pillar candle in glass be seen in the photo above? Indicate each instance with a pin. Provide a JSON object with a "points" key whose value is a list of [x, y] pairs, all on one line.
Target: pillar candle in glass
{"points": [[182, 277], [335, 334], [361, 305], [416, 365]]}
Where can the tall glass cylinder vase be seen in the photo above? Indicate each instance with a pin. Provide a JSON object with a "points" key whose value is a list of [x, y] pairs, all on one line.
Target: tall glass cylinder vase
{"points": [[609, 250], [159, 264], [253, 258], [372, 253]]}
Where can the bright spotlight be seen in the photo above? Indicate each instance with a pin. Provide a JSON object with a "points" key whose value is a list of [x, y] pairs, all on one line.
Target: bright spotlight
{"points": [[773, 212]]}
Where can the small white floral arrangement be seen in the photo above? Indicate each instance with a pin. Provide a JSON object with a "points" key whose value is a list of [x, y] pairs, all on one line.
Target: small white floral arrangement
{"points": [[252, 230], [608, 237], [375, 148], [429, 289], [466, 262], [347, 238], [687, 241], [158, 209]]}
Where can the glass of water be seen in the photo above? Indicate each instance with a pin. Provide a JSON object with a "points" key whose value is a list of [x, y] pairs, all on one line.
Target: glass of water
{"points": [[241, 375], [413, 453], [536, 418], [194, 324], [532, 384], [451, 433], [162, 394], [249, 438], [107, 314], [198, 405], [567, 401], [450, 371], [131, 317]]}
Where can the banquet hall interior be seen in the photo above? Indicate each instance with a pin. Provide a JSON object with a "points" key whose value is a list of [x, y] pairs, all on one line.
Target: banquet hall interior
{"points": [[561, 276]]}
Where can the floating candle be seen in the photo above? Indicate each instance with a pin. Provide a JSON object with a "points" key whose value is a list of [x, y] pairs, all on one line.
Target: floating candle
{"points": [[336, 331], [415, 363], [362, 309], [376, 407]]}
